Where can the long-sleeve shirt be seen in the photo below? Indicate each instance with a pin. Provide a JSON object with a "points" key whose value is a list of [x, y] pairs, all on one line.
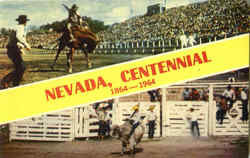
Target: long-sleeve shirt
{"points": [[18, 37], [193, 116], [136, 117], [151, 116]]}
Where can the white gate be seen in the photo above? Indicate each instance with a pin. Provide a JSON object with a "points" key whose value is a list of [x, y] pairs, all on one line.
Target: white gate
{"points": [[174, 117], [124, 110], [232, 124], [50, 127], [85, 125]]}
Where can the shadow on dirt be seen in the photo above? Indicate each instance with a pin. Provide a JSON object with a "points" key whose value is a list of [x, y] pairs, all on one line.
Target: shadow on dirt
{"points": [[47, 70], [137, 150]]}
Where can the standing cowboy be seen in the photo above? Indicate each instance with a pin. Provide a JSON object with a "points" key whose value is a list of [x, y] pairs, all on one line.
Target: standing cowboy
{"points": [[17, 42], [193, 117], [74, 19], [151, 121]]}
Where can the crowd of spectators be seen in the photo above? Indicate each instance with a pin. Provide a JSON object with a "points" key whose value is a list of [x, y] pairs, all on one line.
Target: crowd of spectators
{"points": [[195, 94], [203, 20], [43, 40]]}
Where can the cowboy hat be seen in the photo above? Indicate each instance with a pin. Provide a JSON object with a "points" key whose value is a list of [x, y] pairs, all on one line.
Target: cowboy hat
{"points": [[151, 107], [135, 107], [22, 18], [74, 7]]}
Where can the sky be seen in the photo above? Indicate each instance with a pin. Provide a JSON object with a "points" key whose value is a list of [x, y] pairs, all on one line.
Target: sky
{"points": [[42, 12]]}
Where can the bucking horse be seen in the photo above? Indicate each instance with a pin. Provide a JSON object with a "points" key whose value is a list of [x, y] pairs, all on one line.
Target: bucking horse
{"points": [[85, 40], [121, 132]]}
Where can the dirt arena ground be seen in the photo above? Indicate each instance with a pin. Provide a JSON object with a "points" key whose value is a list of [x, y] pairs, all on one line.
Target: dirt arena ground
{"points": [[171, 147]]}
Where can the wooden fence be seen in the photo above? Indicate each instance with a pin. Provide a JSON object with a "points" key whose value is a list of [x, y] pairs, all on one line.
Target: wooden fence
{"points": [[171, 112]]}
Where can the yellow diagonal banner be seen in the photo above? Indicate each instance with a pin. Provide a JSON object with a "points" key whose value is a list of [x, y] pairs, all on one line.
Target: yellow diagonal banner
{"points": [[123, 79]]}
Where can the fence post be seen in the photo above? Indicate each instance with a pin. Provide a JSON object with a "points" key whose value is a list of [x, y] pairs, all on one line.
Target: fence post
{"points": [[164, 112], [163, 45], [210, 110], [115, 112]]}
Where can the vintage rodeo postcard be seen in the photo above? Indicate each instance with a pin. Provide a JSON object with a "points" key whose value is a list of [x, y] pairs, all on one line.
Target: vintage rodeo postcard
{"points": [[111, 78]]}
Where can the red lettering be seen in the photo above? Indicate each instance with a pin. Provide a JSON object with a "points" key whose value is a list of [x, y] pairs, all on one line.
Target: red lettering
{"points": [[161, 67], [50, 94], [197, 59], [79, 87], [204, 55], [68, 90], [101, 82], [90, 84], [134, 74], [152, 66], [123, 76], [59, 92], [188, 57], [171, 64], [143, 71], [181, 62]]}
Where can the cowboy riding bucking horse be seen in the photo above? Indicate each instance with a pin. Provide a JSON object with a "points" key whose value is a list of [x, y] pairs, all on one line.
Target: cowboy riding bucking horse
{"points": [[77, 35]]}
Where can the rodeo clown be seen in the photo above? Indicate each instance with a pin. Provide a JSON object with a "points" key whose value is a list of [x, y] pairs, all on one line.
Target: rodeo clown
{"points": [[151, 118], [135, 118], [15, 48]]}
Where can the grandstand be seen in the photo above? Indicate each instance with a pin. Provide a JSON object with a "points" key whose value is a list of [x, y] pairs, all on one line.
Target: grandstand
{"points": [[206, 20]]}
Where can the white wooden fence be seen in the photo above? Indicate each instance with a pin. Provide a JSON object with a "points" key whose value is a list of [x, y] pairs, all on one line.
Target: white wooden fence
{"points": [[175, 122], [232, 124], [174, 112], [85, 124], [77, 123], [50, 127]]}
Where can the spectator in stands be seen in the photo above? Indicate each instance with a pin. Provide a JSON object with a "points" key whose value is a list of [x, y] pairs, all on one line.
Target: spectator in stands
{"points": [[154, 95], [185, 94], [191, 40], [184, 40], [204, 94], [194, 95]]}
